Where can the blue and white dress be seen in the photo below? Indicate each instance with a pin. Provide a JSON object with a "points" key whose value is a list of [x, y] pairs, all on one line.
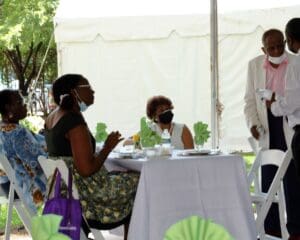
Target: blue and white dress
{"points": [[22, 149]]}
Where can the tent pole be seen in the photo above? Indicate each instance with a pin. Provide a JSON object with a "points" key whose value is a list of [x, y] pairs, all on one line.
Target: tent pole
{"points": [[214, 73]]}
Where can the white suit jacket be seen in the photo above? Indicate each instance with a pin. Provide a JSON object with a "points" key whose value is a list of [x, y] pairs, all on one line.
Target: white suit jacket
{"points": [[255, 109]]}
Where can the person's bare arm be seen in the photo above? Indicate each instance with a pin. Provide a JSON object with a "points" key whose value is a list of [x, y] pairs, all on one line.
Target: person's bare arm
{"points": [[187, 138], [85, 161]]}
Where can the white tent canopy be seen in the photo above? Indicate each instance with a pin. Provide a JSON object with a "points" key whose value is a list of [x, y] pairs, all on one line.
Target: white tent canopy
{"points": [[129, 59]]}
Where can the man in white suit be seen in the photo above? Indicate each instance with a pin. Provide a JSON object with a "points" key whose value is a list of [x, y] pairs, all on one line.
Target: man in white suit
{"points": [[268, 72]]}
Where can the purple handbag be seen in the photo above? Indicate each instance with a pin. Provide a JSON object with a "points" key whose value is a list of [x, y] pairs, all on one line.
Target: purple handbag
{"points": [[69, 208]]}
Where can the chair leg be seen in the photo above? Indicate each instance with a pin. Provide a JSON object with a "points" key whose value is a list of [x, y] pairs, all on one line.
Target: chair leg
{"points": [[83, 235], [97, 234], [24, 215], [281, 207], [11, 197], [261, 231], [126, 227]]}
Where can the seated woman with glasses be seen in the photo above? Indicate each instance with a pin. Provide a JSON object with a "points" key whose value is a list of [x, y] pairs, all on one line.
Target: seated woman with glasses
{"points": [[22, 148], [106, 197]]}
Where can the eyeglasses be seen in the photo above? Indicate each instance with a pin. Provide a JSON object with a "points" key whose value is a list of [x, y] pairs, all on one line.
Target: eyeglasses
{"points": [[85, 86]]}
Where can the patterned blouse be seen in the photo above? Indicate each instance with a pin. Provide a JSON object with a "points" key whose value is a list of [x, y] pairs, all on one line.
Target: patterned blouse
{"points": [[22, 149]]}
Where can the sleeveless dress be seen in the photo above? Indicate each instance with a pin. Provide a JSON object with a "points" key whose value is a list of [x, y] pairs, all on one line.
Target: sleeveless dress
{"points": [[104, 196], [176, 134]]}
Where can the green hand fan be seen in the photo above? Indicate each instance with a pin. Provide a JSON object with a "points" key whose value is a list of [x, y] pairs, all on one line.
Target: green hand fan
{"points": [[197, 228], [46, 227]]}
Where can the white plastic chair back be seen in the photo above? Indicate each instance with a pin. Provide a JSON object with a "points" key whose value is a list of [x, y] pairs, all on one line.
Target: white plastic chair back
{"points": [[48, 165], [275, 193], [24, 212]]}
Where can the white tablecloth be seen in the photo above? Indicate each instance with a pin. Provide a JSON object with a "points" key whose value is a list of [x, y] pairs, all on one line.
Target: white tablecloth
{"points": [[212, 187]]}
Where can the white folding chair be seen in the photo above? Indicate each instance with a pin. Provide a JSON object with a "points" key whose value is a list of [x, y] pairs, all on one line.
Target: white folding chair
{"points": [[48, 166], [3, 196], [255, 174], [24, 212], [263, 201]]}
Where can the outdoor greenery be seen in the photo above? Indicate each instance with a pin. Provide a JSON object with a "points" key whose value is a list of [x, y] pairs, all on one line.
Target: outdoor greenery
{"points": [[101, 132], [201, 133], [16, 222], [25, 31], [148, 137], [33, 123]]}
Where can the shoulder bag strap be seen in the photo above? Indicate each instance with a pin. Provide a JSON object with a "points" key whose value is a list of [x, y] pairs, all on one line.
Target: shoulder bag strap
{"points": [[70, 184], [57, 185], [52, 182]]}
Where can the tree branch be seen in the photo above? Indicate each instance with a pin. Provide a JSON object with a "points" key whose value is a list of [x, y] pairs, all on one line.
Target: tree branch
{"points": [[18, 59], [12, 59], [34, 64], [28, 57]]}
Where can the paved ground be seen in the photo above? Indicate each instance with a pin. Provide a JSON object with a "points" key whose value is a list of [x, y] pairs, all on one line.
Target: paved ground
{"points": [[22, 235], [18, 235]]}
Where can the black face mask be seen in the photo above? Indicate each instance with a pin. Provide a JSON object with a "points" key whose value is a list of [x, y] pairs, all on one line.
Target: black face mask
{"points": [[166, 117]]}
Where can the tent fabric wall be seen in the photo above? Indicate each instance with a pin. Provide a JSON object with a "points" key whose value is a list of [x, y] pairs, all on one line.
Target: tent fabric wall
{"points": [[125, 74], [129, 59]]}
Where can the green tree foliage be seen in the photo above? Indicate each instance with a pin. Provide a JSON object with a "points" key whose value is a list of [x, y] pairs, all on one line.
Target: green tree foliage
{"points": [[25, 30]]}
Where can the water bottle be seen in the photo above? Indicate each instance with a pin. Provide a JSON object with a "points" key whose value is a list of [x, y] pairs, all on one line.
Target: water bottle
{"points": [[166, 142]]}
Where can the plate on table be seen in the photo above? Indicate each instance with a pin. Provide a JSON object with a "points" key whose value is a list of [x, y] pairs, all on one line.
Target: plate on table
{"points": [[201, 152], [130, 152]]}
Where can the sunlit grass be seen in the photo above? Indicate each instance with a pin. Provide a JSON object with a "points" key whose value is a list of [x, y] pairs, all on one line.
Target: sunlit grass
{"points": [[249, 159], [15, 223]]}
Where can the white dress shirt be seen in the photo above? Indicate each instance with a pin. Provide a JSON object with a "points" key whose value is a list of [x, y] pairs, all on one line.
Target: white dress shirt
{"points": [[289, 105]]}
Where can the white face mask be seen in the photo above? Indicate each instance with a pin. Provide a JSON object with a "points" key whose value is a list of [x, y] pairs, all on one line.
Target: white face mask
{"points": [[82, 105], [277, 60]]}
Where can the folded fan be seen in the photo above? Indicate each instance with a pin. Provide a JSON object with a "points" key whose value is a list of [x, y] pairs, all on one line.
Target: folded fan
{"points": [[197, 228], [46, 227]]}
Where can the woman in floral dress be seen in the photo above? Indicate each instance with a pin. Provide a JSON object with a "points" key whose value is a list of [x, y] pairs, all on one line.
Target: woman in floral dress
{"points": [[106, 198], [22, 148]]}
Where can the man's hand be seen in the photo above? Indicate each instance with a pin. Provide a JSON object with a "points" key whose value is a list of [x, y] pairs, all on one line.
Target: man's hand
{"points": [[269, 102], [254, 132]]}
